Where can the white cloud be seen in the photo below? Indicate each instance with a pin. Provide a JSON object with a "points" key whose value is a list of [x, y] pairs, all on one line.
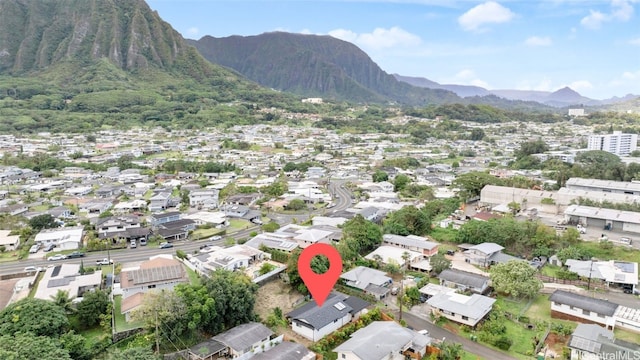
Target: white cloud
{"points": [[466, 77], [594, 20], [631, 75], [538, 41], [489, 12], [635, 41], [378, 39], [193, 31], [621, 10]]}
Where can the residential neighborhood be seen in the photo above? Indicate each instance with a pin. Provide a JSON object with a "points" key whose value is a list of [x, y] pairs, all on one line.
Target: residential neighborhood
{"points": [[422, 252]]}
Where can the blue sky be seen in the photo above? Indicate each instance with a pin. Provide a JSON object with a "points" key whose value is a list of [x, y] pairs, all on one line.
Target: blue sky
{"points": [[591, 46]]}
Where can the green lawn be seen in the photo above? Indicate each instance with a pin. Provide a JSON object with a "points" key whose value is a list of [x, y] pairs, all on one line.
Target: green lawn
{"points": [[550, 270], [617, 252], [121, 323], [238, 224], [513, 306], [193, 277], [204, 233]]}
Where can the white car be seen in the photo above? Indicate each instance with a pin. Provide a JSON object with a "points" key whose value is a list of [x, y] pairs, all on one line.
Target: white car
{"points": [[57, 257], [423, 332], [31, 269], [216, 237], [104, 261]]}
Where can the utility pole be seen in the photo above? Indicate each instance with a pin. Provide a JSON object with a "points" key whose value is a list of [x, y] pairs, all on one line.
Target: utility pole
{"points": [[157, 334]]}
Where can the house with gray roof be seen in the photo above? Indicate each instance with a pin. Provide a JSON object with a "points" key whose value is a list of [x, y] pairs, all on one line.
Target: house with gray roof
{"points": [[315, 322], [411, 242], [585, 309], [244, 338], [369, 281], [286, 350], [463, 309], [382, 340], [464, 281], [591, 341], [240, 341], [487, 254]]}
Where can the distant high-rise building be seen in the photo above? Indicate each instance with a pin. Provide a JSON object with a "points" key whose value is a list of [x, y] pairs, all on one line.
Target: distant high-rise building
{"points": [[616, 143]]}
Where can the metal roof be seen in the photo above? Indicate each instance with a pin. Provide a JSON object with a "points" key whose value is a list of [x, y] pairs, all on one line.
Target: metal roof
{"points": [[464, 278], [156, 274], [474, 306], [286, 350], [243, 336], [378, 340], [598, 306]]}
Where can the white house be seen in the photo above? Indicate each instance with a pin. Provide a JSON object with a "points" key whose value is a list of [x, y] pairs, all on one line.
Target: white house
{"points": [[10, 242], [67, 238], [568, 305], [463, 309], [593, 342], [384, 340]]}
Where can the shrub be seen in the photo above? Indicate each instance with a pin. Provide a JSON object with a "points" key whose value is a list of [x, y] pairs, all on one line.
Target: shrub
{"points": [[503, 342]]}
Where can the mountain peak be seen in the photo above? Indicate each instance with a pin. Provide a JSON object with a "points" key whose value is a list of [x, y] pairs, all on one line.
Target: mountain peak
{"points": [[37, 34], [566, 94]]}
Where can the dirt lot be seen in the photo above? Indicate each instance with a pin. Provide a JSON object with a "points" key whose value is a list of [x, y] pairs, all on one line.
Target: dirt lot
{"points": [[555, 343], [278, 294], [6, 291]]}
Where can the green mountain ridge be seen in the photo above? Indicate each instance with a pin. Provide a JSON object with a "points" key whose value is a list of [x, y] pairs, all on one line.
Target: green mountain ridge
{"points": [[78, 65], [314, 65]]}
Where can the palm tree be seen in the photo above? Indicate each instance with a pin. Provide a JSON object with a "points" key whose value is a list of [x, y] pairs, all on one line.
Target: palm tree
{"points": [[61, 298]]}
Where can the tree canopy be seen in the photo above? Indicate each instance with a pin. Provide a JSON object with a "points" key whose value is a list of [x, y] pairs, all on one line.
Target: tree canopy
{"points": [[36, 316], [516, 279]]}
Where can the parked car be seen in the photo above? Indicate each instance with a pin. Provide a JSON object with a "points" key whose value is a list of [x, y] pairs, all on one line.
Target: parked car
{"points": [[166, 245], [49, 247], [57, 257], [143, 242], [133, 244], [34, 249], [104, 261], [423, 332], [394, 291], [75, 254]]}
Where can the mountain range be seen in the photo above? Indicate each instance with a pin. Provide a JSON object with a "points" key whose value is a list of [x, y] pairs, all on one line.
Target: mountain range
{"points": [[95, 48], [559, 98]]}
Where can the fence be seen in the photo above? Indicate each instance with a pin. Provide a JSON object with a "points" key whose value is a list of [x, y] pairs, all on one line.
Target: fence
{"points": [[585, 283]]}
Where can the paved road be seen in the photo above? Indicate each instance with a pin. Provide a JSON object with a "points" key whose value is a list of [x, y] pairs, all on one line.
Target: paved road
{"points": [[483, 352], [122, 255]]}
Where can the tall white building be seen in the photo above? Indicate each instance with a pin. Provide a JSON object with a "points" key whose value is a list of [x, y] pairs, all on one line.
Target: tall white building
{"points": [[616, 143]]}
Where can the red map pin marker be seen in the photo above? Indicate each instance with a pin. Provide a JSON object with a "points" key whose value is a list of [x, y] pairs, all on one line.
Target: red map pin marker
{"points": [[320, 285]]}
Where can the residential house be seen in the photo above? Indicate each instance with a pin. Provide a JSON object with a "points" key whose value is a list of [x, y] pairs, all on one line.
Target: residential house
{"points": [[315, 322], [242, 199], [463, 309], [161, 218], [276, 241], [370, 213], [585, 309], [160, 272], [127, 227], [287, 350], [67, 238], [395, 255], [464, 281], [384, 340], [60, 212], [175, 230], [204, 198], [9, 242], [369, 281], [160, 201], [241, 212], [412, 242], [616, 274], [66, 277], [486, 254], [16, 209], [239, 342], [96, 207], [593, 342], [237, 257]]}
